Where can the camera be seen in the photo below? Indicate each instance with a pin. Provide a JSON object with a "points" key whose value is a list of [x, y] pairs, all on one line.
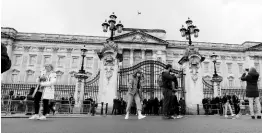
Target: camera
{"points": [[247, 69]]}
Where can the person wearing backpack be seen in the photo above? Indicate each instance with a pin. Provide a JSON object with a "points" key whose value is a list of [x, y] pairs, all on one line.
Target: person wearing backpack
{"points": [[166, 84]]}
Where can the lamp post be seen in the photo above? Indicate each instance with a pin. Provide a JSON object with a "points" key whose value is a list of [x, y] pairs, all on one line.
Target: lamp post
{"points": [[191, 29], [83, 54], [214, 58], [112, 27]]}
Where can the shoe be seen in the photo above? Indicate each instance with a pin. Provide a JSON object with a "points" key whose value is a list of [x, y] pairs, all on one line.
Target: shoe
{"points": [[253, 117], [174, 117], [42, 117], [226, 116], [258, 117], [141, 117], [127, 116], [179, 116], [233, 115], [34, 117]]}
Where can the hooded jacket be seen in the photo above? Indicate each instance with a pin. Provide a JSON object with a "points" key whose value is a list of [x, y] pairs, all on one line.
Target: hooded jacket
{"points": [[251, 88]]}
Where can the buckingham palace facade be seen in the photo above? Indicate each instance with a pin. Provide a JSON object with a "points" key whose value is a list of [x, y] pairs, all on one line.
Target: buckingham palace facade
{"points": [[30, 51]]}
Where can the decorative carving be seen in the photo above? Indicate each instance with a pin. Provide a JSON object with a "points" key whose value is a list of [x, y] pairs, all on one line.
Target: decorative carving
{"points": [[59, 72], [222, 57], [26, 48], [139, 38], [109, 72], [41, 49], [15, 71], [234, 58], [55, 49], [69, 50], [29, 71], [109, 60]]}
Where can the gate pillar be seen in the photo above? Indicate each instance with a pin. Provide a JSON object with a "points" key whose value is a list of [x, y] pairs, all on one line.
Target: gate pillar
{"points": [[108, 80], [191, 63]]}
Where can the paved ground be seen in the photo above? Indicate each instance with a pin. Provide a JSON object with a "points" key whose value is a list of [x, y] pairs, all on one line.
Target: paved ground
{"points": [[117, 124]]}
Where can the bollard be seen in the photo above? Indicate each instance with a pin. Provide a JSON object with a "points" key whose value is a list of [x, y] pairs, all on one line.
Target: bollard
{"points": [[102, 104], [197, 109], [106, 108]]}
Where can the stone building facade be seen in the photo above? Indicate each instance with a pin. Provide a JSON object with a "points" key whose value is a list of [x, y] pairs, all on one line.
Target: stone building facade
{"points": [[30, 51]]}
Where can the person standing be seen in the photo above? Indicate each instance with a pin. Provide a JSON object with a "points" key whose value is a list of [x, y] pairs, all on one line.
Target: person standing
{"points": [[45, 91], [227, 104], [134, 93], [251, 77], [168, 79], [236, 104]]}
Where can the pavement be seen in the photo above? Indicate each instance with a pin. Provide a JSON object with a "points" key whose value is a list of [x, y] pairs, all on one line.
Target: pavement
{"points": [[117, 124]]}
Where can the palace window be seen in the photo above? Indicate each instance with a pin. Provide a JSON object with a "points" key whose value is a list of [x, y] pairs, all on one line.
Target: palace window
{"points": [[126, 58], [148, 55], [32, 60], [14, 76], [18, 60], [72, 79], [137, 57], [206, 64], [29, 76], [229, 66], [75, 61], [230, 82], [218, 66], [240, 67], [89, 62], [59, 75], [47, 59], [60, 62]]}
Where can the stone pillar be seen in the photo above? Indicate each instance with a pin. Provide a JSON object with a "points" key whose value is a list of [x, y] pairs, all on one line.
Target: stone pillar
{"points": [[143, 54], [164, 56], [131, 57], [67, 62], [216, 84], [23, 74], [39, 61], [79, 95]]}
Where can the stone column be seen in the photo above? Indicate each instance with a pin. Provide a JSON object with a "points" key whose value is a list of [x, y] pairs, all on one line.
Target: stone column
{"points": [[131, 57], [216, 83], [67, 62], [143, 54], [23, 74], [39, 61], [54, 55]]}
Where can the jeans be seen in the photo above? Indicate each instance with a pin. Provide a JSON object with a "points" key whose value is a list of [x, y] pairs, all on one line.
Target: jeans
{"points": [[227, 105], [137, 100], [257, 104]]}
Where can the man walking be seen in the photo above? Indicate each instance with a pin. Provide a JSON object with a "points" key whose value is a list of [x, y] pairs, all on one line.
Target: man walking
{"points": [[167, 79]]}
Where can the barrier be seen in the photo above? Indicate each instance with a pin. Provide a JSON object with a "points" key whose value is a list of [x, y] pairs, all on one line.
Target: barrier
{"points": [[61, 107]]}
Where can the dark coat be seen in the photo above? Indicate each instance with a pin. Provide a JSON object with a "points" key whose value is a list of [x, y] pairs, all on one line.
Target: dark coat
{"points": [[168, 79], [251, 89], [5, 61]]}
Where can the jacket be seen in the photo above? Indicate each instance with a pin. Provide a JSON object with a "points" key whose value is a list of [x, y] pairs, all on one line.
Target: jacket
{"points": [[132, 88], [168, 79], [5, 61], [49, 88], [251, 88]]}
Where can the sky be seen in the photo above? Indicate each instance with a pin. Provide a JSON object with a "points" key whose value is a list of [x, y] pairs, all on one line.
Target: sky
{"points": [[219, 21]]}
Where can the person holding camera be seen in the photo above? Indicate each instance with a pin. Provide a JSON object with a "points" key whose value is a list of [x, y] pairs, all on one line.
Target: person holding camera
{"points": [[44, 92], [168, 80], [251, 77]]}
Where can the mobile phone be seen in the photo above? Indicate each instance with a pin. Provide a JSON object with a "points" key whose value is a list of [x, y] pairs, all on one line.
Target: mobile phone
{"points": [[247, 69]]}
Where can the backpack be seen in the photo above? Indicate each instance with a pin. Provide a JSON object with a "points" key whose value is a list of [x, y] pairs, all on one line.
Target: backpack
{"points": [[160, 80]]}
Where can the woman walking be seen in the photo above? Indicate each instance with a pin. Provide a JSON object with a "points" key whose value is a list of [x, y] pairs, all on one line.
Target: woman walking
{"points": [[251, 77], [44, 92], [134, 93]]}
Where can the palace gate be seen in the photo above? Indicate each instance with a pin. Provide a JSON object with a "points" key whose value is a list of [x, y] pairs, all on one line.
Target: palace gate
{"points": [[151, 71]]}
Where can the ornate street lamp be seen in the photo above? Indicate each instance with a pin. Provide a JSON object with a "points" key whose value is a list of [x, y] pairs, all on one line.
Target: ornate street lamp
{"points": [[83, 54], [191, 29], [112, 27], [214, 58]]}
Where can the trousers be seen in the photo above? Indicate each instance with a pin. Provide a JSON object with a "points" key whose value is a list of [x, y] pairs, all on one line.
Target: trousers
{"points": [[251, 106], [167, 101], [130, 101]]}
